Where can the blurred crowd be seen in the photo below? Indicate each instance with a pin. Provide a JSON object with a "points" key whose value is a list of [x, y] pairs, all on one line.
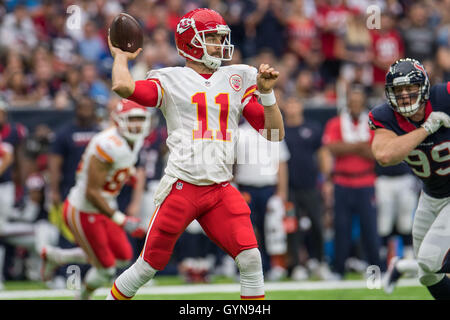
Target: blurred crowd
{"points": [[54, 53]]}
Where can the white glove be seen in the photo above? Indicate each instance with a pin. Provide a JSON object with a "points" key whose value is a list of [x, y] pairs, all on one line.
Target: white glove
{"points": [[435, 120]]}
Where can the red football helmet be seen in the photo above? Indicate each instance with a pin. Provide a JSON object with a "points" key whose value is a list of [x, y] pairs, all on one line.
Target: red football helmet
{"points": [[190, 37], [132, 120]]}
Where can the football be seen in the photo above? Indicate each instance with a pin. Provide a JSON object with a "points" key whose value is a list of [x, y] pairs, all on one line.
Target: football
{"points": [[126, 33]]}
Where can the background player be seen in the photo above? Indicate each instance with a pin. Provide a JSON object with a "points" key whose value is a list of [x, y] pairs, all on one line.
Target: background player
{"points": [[90, 210], [414, 126], [202, 103]]}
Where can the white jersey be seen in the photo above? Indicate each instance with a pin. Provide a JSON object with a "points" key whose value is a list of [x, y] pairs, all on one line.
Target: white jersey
{"points": [[108, 146], [202, 117]]}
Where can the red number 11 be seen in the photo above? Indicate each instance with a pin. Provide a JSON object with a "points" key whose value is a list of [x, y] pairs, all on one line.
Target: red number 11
{"points": [[203, 132]]}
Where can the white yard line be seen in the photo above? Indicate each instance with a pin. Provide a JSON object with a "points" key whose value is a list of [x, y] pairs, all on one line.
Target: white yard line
{"points": [[205, 288]]}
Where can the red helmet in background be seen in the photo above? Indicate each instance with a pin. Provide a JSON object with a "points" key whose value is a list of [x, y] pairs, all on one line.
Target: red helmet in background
{"points": [[190, 37], [132, 120]]}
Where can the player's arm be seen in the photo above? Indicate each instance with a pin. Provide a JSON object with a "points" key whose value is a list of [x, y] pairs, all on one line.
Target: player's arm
{"points": [[283, 178], [144, 92], [97, 175], [122, 81], [390, 149], [273, 120], [344, 148]]}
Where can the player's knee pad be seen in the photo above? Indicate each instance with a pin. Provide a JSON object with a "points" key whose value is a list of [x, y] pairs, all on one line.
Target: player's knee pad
{"points": [[430, 257], [429, 279], [249, 261]]}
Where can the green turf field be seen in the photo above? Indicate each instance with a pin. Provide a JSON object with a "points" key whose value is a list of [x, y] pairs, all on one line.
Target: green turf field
{"points": [[173, 288]]}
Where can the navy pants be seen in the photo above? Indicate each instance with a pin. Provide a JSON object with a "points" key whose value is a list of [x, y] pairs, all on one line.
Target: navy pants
{"points": [[359, 201], [258, 206]]}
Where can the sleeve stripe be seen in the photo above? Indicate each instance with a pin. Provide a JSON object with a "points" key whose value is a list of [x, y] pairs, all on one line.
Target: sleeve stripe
{"points": [[248, 92], [103, 154], [160, 91], [375, 122]]}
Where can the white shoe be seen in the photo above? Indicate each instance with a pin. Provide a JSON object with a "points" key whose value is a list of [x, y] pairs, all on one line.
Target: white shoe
{"points": [[49, 266], [299, 273], [276, 273], [391, 276], [324, 273], [356, 265]]}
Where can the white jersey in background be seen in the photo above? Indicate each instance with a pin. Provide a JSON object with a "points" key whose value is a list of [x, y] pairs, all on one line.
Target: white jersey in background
{"points": [[202, 118], [108, 146]]}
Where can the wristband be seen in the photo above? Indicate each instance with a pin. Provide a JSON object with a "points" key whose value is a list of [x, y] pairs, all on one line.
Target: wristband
{"points": [[268, 99], [118, 217]]}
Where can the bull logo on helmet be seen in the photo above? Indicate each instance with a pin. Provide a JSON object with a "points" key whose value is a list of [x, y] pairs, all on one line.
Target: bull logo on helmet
{"points": [[183, 25]]}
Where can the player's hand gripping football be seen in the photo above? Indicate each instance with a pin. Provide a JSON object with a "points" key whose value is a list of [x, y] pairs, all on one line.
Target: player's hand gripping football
{"points": [[266, 78], [435, 120], [117, 51]]}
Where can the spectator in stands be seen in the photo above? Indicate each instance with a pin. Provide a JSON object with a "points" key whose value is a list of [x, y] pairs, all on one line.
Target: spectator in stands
{"points": [[145, 62], [235, 11], [307, 162], [419, 38], [92, 47], [387, 47], [63, 46], [331, 20], [17, 30], [347, 137], [166, 54], [302, 30], [93, 84], [265, 26], [45, 84], [355, 48], [18, 91], [306, 89], [443, 51]]}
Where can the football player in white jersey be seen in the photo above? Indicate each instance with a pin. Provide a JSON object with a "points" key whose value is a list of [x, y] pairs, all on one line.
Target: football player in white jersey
{"points": [[90, 210], [202, 103]]}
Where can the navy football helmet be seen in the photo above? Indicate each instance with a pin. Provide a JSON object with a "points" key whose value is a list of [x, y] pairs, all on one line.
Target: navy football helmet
{"points": [[407, 72]]}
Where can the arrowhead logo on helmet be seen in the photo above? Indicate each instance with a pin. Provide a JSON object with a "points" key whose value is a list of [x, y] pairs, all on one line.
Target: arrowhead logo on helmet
{"points": [[183, 25]]}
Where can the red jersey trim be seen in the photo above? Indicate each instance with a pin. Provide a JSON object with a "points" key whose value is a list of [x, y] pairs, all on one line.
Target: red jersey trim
{"points": [[408, 126], [375, 122]]}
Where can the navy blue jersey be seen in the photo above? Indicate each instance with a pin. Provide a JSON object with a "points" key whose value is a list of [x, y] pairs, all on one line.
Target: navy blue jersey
{"points": [[14, 134], [70, 143], [392, 171], [430, 160], [303, 141], [151, 156]]}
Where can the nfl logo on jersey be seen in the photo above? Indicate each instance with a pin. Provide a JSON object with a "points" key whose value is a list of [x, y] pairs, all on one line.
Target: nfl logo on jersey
{"points": [[179, 185]]}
